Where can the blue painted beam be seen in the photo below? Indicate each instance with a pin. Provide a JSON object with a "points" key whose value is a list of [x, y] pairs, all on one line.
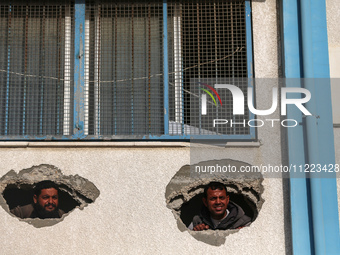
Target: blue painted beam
{"points": [[165, 68], [312, 125], [311, 54], [328, 185], [79, 70], [250, 58], [300, 215]]}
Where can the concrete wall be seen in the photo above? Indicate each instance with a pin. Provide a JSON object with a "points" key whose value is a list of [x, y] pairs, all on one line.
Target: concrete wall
{"points": [[130, 215], [333, 14]]}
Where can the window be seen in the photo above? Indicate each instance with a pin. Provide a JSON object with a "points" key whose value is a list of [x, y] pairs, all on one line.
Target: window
{"points": [[120, 69]]}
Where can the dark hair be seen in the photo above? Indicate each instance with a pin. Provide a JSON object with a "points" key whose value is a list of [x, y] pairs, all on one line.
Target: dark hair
{"points": [[214, 186], [44, 185]]}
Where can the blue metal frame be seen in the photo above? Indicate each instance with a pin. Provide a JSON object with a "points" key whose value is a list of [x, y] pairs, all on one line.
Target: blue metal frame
{"points": [[250, 59], [328, 187], [165, 68], [79, 71], [314, 206], [79, 93]]}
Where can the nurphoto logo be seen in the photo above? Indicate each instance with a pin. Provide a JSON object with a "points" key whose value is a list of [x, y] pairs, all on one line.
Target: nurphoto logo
{"points": [[239, 104]]}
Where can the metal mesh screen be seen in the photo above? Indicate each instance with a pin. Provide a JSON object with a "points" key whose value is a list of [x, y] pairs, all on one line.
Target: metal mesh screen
{"points": [[207, 45], [35, 67], [123, 67], [125, 82]]}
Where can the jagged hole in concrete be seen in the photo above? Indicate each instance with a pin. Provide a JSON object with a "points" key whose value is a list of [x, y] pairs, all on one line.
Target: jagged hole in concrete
{"points": [[17, 189], [185, 191]]}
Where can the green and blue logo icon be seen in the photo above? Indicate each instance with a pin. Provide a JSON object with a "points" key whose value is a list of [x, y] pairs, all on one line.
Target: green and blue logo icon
{"points": [[204, 97]]}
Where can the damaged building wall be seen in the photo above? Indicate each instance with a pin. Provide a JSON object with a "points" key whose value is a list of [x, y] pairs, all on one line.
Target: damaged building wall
{"points": [[17, 190], [333, 29], [131, 214]]}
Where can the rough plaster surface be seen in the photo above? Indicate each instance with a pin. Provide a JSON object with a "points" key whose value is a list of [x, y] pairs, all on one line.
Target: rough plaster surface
{"points": [[187, 183], [333, 29], [131, 216], [337, 161], [265, 37], [80, 189]]}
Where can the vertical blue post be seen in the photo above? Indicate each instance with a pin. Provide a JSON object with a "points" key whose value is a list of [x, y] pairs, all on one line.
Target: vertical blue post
{"points": [[250, 59], [311, 125], [312, 57], [328, 186], [165, 68], [79, 71], [302, 240]]}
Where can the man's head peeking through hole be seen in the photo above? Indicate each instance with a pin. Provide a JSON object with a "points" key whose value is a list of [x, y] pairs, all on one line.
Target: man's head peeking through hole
{"points": [[45, 203], [216, 200], [218, 211]]}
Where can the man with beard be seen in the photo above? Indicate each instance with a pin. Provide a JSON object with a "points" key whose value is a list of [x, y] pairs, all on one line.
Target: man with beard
{"points": [[45, 203], [218, 211]]}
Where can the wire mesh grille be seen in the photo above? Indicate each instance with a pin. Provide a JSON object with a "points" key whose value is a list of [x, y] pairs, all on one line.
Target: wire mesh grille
{"points": [[123, 64], [207, 46], [35, 67], [125, 83]]}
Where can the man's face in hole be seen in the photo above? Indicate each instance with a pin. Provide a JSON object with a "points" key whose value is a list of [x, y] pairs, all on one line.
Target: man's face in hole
{"points": [[216, 202], [47, 200]]}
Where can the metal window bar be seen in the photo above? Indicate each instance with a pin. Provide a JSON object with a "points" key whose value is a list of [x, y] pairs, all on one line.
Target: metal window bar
{"points": [[126, 78], [33, 67], [67, 81], [178, 65], [213, 50], [123, 81], [86, 74]]}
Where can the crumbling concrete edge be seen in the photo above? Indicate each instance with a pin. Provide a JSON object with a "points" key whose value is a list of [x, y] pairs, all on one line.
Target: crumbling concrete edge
{"points": [[184, 186], [79, 188]]}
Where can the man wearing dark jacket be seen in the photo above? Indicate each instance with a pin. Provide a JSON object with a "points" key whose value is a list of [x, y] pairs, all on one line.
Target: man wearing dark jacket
{"points": [[46, 202], [219, 212]]}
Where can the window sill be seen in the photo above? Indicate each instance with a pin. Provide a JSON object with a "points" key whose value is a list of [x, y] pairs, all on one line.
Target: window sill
{"points": [[115, 144], [92, 144]]}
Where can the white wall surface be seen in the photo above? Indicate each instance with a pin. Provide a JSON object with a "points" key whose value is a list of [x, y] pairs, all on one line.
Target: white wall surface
{"points": [[130, 215], [333, 14]]}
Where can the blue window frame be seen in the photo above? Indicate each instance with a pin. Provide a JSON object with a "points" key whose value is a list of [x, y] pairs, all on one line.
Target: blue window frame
{"points": [[121, 70]]}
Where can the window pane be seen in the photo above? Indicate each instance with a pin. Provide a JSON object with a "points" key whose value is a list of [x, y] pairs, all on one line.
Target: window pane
{"points": [[207, 45], [125, 80], [33, 71]]}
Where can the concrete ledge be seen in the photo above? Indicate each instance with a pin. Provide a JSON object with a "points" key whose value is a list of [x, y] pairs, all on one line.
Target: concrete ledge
{"points": [[91, 144], [48, 144], [243, 144]]}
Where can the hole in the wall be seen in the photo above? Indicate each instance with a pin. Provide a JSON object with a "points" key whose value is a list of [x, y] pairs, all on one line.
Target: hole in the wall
{"points": [[184, 195], [16, 196], [18, 190], [194, 206]]}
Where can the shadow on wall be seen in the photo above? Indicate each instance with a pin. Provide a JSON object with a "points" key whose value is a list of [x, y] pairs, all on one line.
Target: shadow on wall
{"points": [[17, 190], [185, 191]]}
